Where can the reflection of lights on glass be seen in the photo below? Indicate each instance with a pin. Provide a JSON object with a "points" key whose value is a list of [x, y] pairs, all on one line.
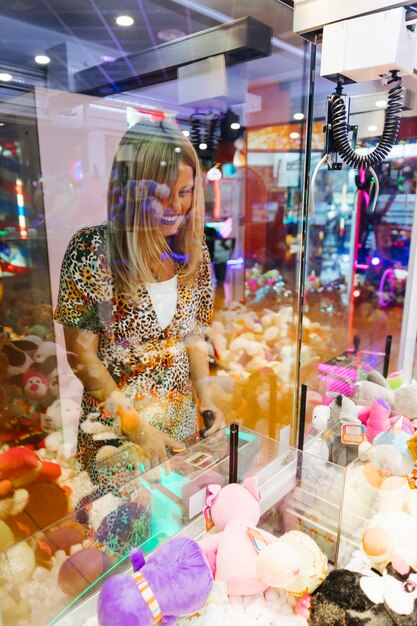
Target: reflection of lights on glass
{"points": [[163, 163], [345, 258], [169, 34], [214, 173], [186, 133], [42, 59], [235, 125], [177, 149], [298, 116], [21, 208], [294, 135], [5, 77], [372, 128], [124, 20], [375, 260], [226, 228], [356, 293], [203, 146], [236, 262], [381, 104], [76, 171]]}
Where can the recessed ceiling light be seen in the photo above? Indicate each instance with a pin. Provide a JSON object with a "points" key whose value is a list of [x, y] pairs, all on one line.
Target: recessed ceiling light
{"points": [[381, 104], [5, 77], [169, 34], [186, 133], [372, 127], [124, 20], [42, 59], [294, 135], [203, 146], [298, 116]]}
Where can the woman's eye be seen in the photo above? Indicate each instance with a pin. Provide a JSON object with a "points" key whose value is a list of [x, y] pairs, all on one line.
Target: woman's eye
{"points": [[409, 586], [185, 192]]}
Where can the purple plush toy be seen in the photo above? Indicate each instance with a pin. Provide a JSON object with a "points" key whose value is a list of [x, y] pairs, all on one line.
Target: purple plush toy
{"points": [[175, 580]]}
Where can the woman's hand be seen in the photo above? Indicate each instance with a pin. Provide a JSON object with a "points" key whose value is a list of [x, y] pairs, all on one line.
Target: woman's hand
{"points": [[219, 420], [154, 442]]}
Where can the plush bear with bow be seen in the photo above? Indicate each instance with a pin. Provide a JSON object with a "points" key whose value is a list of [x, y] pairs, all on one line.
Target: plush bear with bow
{"points": [[175, 580], [231, 553]]}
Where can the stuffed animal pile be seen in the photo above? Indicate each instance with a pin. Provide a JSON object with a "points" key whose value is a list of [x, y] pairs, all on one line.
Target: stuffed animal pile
{"points": [[29, 403], [254, 355]]}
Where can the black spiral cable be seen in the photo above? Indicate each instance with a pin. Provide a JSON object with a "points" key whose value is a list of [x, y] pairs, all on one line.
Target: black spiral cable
{"points": [[389, 134], [195, 132]]}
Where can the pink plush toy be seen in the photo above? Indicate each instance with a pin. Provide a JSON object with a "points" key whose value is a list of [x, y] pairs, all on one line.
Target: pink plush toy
{"points": [[378, 420], [231, 552]]}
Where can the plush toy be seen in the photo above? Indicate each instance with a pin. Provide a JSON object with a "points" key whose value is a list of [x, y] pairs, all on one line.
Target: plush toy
{"points": [[320, 422], [378, 419], [351, 599], [342, 411], [47, 503], [35, 385], [175, 580], [389, 533], [402, 400], [22, 467], [231, 552], [293, 562]]}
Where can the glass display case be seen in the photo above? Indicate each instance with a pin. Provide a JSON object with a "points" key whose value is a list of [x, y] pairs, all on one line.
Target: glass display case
{"points": [[297, 274], [75, 554]]}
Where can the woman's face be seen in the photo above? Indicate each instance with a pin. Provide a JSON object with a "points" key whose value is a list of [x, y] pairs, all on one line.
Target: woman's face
{"points": [[175, 208]]}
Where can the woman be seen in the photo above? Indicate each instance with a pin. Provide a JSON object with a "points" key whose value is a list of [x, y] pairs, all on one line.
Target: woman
{"points": [[135, 295]]}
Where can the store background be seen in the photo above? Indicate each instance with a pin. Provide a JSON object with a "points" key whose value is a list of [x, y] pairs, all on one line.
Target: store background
{"points": [[56, 152]]}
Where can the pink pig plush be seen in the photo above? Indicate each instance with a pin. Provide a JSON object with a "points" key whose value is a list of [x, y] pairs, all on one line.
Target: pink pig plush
{"points": [[231, 552]]}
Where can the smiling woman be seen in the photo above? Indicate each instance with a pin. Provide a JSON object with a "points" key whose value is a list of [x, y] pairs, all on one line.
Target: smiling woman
{"points": [[135, 297]]}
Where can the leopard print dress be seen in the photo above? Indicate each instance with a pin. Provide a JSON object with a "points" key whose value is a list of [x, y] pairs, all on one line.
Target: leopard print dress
{"points": [[150, 365]]}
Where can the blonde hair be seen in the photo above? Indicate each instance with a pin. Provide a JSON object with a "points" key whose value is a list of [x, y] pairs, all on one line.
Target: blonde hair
{"points": [[150, 152]]}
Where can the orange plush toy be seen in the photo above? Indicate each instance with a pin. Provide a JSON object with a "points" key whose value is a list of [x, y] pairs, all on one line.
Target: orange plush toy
{"points": [[47, 501]]}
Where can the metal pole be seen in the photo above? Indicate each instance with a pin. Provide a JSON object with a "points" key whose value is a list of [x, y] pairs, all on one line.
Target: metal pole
{"points": [[387, 355], [233, 452], [303, 241]]}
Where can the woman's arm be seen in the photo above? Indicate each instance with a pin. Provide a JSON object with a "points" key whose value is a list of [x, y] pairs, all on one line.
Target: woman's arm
{"points": [[97, 381], [88, 368], [199, 373]]}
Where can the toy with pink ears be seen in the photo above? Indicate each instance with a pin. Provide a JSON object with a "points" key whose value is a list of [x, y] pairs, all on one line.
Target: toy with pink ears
{"points": [[250, 560], [231, 552]]}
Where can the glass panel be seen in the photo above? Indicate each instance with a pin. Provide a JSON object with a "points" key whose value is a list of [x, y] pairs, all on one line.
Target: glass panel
{"points": [[359, 239], [291, 499], [238, 92]]}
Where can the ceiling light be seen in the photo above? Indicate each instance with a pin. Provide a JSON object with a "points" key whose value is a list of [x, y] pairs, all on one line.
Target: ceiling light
{"points": [[372, 127], [235, 125], [177, 149], [5, 77], [298, 116], [124, 20], [1, 123], [186, 133], [294, 135], [203, 146], [381, 104], [169, 34], [42, 59]]}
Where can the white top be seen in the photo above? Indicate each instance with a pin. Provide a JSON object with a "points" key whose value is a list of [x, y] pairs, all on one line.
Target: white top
{"points": [[164, 299]]}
